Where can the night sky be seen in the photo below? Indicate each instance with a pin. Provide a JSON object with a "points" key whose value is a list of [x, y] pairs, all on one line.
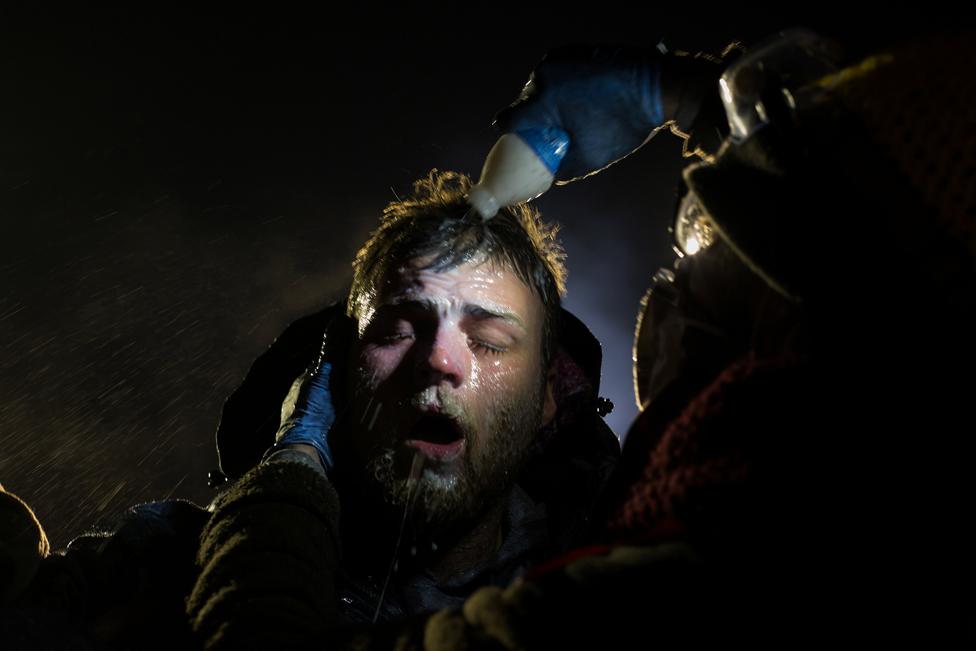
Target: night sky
{"points": [[173, 194]]}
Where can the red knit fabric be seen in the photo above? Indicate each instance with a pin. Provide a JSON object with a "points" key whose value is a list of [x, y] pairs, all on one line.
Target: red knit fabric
{"points": [[706, 456]]}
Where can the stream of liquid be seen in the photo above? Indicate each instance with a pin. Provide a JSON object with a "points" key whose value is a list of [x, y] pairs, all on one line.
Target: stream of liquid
{"points": [[416, 467]]}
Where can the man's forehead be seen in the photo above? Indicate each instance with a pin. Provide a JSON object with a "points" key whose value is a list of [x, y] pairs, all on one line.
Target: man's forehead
{"points": [[483, 284]]}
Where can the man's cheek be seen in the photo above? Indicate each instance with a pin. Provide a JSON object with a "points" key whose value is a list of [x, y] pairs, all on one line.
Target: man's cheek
{"points": [[505, 377], [499, 388], [377, 363]]}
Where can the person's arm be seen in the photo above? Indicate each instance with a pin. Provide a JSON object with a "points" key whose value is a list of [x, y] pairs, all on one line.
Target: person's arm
{"points": [[269, 553], [267, 558]]}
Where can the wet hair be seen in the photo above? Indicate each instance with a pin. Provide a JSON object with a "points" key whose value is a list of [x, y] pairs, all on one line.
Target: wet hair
{"points": [[434, 222]]}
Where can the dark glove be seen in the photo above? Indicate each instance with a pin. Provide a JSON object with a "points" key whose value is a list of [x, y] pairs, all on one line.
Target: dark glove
{"points": [[611, 100], [308, 413], [608, 100]]}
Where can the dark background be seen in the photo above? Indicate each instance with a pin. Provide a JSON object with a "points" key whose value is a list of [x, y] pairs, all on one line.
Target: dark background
{"points": [[174, 192]]}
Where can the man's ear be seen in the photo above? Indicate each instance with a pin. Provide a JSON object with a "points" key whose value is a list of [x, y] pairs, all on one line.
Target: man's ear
{"points": [[549, 402]]}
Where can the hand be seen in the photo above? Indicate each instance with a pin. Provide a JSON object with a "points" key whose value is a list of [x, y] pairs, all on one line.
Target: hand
{"points": [[608, 99], [307, 415], [612, 100]]}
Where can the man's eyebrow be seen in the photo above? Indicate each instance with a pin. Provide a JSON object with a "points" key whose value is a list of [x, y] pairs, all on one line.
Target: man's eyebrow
{"points": [[480, 312], [412, 303]]}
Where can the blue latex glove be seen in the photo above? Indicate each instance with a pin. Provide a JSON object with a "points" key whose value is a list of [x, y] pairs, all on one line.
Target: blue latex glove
{"points": [[311, 414], [609, 100]]}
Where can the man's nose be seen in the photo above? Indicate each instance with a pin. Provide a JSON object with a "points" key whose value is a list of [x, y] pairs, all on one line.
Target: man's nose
{"points": [[448, 359]]}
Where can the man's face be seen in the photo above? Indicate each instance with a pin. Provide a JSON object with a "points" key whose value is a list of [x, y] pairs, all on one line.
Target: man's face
{"points": [[449, 367]]}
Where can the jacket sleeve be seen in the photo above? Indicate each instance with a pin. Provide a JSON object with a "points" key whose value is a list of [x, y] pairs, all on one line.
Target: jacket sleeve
{"points": [[267, 560]]}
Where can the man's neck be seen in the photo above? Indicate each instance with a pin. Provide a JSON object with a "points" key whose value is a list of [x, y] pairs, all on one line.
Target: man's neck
{"points": [[471, 549]]}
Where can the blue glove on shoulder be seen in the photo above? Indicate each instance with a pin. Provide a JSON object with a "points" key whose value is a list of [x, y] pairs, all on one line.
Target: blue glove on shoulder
{"points": [[307, 414], [609, 100]]}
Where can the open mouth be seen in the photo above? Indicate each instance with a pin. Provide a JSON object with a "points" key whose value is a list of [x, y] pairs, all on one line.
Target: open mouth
{"points": [[437, 436]]}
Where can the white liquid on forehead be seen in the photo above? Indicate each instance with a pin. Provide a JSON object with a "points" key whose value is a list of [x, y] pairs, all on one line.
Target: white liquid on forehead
{"points": [[480, 282], [411, 283]]}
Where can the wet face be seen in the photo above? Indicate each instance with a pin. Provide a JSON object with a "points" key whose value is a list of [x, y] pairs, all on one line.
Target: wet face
{"points": [[448, 367]]}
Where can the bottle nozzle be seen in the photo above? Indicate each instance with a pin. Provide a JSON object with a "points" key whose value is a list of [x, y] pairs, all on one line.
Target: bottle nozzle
{"points": [[519, 168], [483, 201]]}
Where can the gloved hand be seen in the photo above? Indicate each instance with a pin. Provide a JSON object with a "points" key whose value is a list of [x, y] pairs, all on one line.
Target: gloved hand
{"points": [[609, 99], [307, 414]]}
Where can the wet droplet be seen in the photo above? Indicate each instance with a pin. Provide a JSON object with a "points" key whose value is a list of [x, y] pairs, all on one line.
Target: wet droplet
{"points": [[369, 404], [372, 421]]}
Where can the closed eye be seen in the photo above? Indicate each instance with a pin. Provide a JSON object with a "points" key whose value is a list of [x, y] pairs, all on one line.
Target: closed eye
{"points": [[394, 337], [484, 347]]}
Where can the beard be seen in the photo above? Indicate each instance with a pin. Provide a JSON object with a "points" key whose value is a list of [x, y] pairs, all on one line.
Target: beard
{"points": [[450, 496]]}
